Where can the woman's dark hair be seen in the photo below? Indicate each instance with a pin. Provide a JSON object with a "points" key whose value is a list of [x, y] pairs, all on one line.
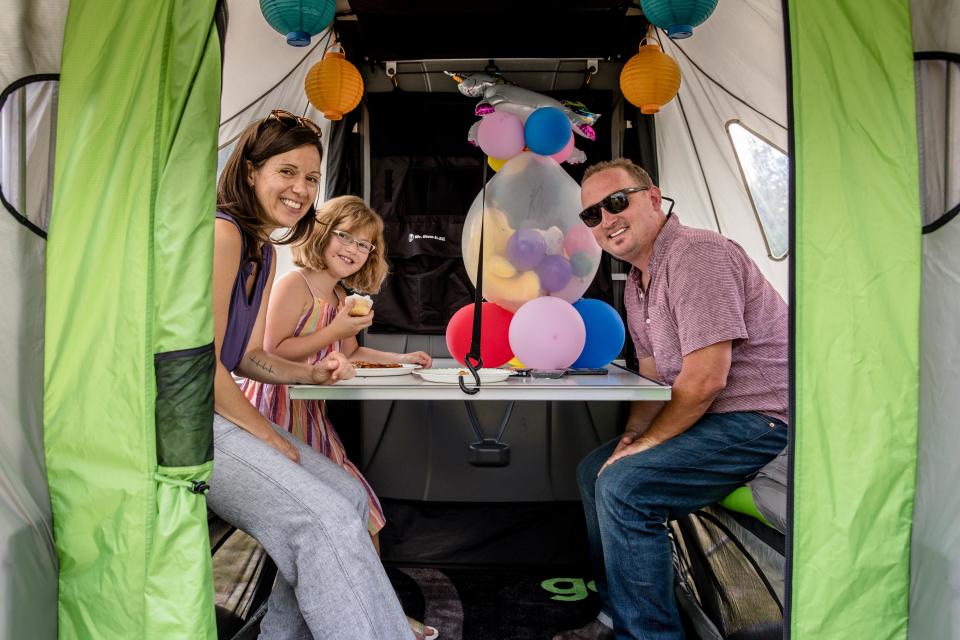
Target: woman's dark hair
{"points": [[258, 143]]}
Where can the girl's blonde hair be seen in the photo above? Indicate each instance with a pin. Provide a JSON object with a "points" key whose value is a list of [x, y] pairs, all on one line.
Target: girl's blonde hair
{"points": [[348, 213]]}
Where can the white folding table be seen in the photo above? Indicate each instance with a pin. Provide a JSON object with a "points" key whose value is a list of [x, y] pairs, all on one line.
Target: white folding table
{"points": [[617, 384]]}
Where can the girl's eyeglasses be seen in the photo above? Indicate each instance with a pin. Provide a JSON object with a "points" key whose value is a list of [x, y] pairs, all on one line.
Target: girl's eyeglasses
{"points": [[346, 240], [292, 120], [614, 203]]}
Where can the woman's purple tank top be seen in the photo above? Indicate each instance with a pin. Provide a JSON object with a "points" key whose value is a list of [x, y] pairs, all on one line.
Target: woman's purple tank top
{"points": [[243, 310]]}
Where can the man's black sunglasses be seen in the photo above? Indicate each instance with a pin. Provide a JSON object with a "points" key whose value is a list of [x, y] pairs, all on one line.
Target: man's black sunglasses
{"points": [[614, 203]]}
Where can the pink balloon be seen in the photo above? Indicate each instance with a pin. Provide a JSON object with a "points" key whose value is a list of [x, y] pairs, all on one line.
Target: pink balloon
{"points": [[547, 333], [500, 135], [580, 238], [563, 154]]}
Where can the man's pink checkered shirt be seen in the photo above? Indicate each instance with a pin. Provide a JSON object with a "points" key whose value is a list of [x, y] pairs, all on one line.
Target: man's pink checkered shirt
{"points": [[704, 289]]}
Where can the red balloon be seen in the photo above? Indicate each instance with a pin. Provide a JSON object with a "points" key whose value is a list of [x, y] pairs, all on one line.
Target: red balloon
{"points": [[494, 334]]}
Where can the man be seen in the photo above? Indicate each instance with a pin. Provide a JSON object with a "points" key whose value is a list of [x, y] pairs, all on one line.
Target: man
{"points": [[704, 320]]}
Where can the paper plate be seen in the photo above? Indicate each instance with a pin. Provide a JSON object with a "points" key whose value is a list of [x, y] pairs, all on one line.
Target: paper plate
{"points": [[452, 376], [377, 372]]}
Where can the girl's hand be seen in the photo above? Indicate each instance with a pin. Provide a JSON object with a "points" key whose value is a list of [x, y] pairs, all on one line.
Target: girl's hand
{"points": [[332, 368], [416, 357], [344, 325]]}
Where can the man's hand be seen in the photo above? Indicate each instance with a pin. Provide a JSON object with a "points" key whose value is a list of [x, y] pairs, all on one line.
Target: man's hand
{"points": [[628, 437], [631, 443], [332, 368]]}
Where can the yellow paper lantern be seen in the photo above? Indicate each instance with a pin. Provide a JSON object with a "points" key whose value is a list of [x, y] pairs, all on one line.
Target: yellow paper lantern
{"points": [[650, 79], [334, 86]]}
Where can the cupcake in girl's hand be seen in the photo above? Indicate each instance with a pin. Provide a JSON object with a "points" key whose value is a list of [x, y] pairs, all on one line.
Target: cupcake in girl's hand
{"points": [[361, 305]]}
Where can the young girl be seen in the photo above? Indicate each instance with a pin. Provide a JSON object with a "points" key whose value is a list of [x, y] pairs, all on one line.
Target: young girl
{"points": [[309, 515], [309, 319]]}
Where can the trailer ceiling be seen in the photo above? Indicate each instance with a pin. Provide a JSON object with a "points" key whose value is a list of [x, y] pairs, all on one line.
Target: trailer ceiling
{"points": [[381, 30]]}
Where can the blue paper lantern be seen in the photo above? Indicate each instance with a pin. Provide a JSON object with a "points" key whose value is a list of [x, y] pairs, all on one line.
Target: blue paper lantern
{"points": [[678, 17], [605, 333], [299, 20], [546, 131]]}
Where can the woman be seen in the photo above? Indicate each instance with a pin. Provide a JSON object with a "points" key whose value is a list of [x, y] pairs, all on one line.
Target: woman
{"points": [[308, 513]]}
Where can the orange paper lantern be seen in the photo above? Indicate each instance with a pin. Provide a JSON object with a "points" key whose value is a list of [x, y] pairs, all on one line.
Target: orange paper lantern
{"points": [[650, 79], [334, 86]]}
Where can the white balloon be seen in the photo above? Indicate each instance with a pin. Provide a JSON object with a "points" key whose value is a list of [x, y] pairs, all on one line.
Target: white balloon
{"points": [[529, 192]]}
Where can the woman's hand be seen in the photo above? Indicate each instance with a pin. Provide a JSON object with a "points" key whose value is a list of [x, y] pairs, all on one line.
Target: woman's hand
{"points": [[332, 368], [345, 325], [416, 357], [282, 445]]}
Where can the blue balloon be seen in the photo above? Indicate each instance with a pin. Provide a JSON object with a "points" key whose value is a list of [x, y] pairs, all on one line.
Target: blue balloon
{"points": [[546, 131], [605, 333]]}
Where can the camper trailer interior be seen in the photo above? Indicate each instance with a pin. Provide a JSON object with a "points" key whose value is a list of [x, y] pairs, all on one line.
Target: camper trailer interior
{"points": [[822, 138], [405, 150]]}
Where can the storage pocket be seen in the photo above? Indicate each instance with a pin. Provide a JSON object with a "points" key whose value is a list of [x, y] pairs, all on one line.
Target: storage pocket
{"points": [[421, 295], [184, 406], [428, 282]]}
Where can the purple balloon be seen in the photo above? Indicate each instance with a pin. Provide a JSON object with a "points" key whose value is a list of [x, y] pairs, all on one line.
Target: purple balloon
{"points": [[526, 248], [554, 272]]}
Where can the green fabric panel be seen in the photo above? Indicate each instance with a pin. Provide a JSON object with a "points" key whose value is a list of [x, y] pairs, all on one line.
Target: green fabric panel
{"points": [[185, 407], [741, 501], [857, 290], [179, 590], [128, 78], [187, 171]]}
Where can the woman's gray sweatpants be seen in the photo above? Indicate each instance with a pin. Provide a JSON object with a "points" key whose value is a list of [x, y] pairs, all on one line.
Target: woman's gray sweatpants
{"points": [[312, 520]]}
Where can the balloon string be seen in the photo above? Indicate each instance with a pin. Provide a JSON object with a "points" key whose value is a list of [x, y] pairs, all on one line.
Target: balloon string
{"points": [[472, 360]]}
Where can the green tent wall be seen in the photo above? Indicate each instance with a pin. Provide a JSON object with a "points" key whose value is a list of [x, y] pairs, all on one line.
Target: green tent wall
{"points": [[129, 322], [856, 305], [128, 270]]}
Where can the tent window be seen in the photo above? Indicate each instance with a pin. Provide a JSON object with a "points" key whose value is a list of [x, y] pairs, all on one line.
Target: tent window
{"points": [[938, 130], [27, 136], [765, 172]]}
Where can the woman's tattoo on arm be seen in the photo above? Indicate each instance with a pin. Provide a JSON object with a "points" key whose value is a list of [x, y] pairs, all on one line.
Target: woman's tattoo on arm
{"points": [[262, 364]]}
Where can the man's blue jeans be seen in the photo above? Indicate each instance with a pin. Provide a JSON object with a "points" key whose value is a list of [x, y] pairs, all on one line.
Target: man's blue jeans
{"points": [[628, 506]]}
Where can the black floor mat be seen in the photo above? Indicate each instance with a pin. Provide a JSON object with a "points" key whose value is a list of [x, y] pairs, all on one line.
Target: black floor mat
{"points": [[467, 603], [505, 534]]}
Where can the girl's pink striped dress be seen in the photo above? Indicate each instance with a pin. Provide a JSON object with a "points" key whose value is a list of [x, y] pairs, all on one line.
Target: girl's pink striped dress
{"points": [[307, 419]]}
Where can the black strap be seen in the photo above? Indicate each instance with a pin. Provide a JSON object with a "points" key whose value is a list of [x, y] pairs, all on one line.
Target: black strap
{"points": [[472, 360]]}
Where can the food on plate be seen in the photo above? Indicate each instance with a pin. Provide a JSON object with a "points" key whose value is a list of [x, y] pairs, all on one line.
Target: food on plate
{"points": [[360, 364], [361, 305]]}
